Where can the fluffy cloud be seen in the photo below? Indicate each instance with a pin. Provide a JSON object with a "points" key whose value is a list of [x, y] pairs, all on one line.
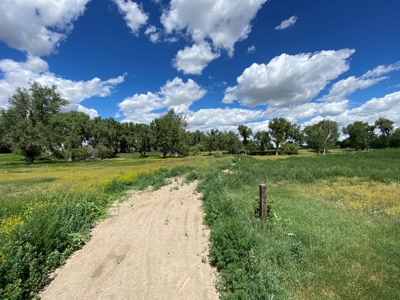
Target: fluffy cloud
{"points": [[223, 21], [307, 111], [138, 108], [387, 107], [288, 79], [223, 119], [347, 86], [174, 94], [177, 93], [133, 14], [154, 36], [287, 23], [37, 27], [193, 60], [19, 74]]}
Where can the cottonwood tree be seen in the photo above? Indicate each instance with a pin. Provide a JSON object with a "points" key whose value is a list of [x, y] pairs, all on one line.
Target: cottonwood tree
{"points": [[212, 136], [142, 138], [262, 141], [282, 130], [168, 133], [26, 122], [73, 130], [245, 132], [361, 135], [232, 143], [322, 136], [386, 127]]}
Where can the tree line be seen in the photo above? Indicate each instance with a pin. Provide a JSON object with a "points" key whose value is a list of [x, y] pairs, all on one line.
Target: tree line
{"points": [[32, 125]]}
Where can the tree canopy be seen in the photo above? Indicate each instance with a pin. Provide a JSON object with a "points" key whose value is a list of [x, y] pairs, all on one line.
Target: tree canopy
{"points": [[27, 120]]}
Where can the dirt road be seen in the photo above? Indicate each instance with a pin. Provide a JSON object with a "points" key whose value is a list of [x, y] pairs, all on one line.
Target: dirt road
{"points": [[154, 247]]}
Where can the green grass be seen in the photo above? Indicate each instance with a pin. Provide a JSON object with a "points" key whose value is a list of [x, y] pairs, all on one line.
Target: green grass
{"points": [[312, 246]]}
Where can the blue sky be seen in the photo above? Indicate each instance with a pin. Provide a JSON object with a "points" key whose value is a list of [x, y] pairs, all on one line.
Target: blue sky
{"points": [[220, 62]]}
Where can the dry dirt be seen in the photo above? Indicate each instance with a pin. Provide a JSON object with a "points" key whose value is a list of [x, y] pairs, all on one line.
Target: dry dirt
{"points": [[154, 246]]}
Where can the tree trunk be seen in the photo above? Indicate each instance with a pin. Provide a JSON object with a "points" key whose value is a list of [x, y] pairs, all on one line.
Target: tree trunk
{"points": [[276, 150], [164, 154], [29, 159]]}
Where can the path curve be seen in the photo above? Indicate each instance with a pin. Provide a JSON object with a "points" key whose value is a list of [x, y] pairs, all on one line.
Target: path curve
{"points": [[153, 247]]}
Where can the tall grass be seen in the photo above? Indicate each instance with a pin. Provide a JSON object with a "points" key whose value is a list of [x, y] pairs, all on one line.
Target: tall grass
{"points": [[313, 246]]}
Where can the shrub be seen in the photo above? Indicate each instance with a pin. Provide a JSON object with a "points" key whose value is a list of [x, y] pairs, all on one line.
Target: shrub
{"points": [[289, 149]]}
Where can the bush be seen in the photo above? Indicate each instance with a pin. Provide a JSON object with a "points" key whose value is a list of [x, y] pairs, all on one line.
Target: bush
{"points": [[289, 149]]}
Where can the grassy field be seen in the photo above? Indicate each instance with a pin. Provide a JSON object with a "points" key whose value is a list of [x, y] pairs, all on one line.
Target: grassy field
{"points": [[332, 232]]}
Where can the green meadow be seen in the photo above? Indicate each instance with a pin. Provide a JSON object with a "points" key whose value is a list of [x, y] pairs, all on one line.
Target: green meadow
{"points": [[332, 230]]}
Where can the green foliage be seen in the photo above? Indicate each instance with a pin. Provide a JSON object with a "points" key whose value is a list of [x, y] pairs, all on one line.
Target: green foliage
{"points": [[262, 141], [281, 130], [322, 136], [27, 122], [168, 133], [361, 135], [289, 149], [385, 125], [231, 143], [195, 150], [245, 133], [212, 137]]}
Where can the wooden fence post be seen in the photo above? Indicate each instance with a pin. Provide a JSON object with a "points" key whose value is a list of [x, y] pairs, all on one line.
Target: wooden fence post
{"points": [[263, 202]]}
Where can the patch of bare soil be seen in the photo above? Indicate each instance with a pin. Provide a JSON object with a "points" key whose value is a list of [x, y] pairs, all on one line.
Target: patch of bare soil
{"points": [[154, 246]]}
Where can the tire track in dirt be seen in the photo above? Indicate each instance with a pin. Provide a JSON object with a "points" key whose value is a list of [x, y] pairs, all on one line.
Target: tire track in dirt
{"points": [[152, 248]]}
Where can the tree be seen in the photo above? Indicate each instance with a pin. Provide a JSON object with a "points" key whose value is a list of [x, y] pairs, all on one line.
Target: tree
{"points": [[168, 132], [262, 140], [212, 136], [322, 136], [385, 125], [142, 138], [361, 135], [281, 130], [395, 139], [245, 132], [27, 120], [232, 143], [73, 130]]}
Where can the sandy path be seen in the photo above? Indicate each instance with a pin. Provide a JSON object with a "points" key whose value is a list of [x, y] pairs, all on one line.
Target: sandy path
{"points": [[152, 248]]}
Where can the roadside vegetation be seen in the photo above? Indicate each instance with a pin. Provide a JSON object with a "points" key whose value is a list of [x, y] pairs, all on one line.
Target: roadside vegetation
{"points": [[332, 231]]}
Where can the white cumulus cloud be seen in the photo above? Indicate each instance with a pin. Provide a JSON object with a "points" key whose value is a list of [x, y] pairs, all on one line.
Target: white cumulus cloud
{"points": [[223, 21], [37, 27], [133, 14], [347, 86], [175, 94], [222, 118], [19, 74], [287, 23], [193, 60], [288, 79]]}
